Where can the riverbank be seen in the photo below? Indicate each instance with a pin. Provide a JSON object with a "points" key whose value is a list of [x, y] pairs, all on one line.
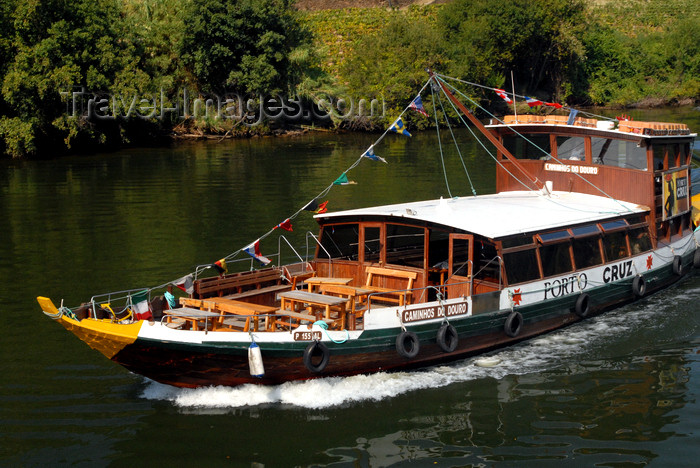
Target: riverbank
{"points": [[126, 58]]}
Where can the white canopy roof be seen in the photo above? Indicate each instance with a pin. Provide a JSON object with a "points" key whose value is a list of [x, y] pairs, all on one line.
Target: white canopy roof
{"points": [[504, 214]]}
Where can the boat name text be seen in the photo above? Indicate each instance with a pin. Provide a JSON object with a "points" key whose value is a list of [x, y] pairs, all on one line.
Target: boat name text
{"points": [[617, 272], [572, 168], [429, 313], [567, 285]]}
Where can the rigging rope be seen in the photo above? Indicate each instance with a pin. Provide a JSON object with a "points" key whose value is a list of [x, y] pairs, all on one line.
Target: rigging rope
{"points": [[437, 127]]}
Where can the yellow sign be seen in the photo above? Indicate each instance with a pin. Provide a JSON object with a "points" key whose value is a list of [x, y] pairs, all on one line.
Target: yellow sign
{"points": [[676, 190]]}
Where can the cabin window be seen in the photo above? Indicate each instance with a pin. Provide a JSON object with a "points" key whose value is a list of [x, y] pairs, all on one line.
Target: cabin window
{"points": [[340, 241], [460, 257], [553, 236], [556, 259], [673, 153], [587, 252], [613, 225], [486, 262], [639, 240], [615, 246], [571, 148], [438, 249], [517, 241], [659, 156], [373, 244], [521, 266], [405, 245], [618, 153], [585, 230], [538, 146], [684, 154]]}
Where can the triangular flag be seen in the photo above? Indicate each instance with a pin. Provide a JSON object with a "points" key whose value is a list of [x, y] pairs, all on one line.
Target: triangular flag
{"points": [[343, 180], [553, 104], [220, 266], [254, 251], [417, 105], [321, 208], [533, 102], [572, 117], [370, 154], [286, 225], [186, 283], [502, 94], [399, 127], [311, 206]]}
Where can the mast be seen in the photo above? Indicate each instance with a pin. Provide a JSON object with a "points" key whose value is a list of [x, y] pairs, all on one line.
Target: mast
{"points": [[491, 137]]}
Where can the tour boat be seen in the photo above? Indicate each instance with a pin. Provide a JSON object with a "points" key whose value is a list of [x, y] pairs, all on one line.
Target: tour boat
{"points": [[588, 214]]}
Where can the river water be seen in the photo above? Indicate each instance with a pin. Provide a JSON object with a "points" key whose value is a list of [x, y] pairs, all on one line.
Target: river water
{"points": [[617, 390]]}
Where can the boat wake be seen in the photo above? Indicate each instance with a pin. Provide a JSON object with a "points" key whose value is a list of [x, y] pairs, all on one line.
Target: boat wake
{"points": [[546, 352]]}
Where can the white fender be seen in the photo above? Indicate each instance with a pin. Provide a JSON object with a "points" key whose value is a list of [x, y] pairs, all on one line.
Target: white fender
{"points": [[255, 360]]}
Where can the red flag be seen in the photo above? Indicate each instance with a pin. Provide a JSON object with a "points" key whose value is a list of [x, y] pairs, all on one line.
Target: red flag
{"points": [[553, 104], [502, 94], [286, 225], [322, 207]]}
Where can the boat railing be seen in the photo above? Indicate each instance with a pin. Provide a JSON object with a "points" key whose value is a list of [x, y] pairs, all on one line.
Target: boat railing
{"points": [[318, 242], [500, 270]]}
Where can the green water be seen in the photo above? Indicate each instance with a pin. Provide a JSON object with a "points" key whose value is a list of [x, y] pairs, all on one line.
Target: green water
{"points": [[618, 390]]}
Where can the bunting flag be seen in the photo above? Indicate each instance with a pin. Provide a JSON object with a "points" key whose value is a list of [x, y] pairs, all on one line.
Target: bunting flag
{"points": [[623, 117], [254, 251], [502, 94], [553, 104], [220, 266], [417, 105], [572, 117], [370, 154], [286, 225], [314, 206], [399, 127], [140, 306], [322, 208], [343, 180], [533, 102], [186, 283]]}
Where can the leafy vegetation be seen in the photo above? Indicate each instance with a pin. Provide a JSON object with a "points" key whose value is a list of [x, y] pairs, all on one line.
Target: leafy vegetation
{"points": [[145, 52]]}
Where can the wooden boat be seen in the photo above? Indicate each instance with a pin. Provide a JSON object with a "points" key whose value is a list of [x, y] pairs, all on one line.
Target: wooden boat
{"points": [[602, 217]]}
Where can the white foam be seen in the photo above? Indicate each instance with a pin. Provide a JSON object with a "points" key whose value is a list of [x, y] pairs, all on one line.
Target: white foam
{"points": [[545, 352]]}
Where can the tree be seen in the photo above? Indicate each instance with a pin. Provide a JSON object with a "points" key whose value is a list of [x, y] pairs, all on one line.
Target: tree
{"points": [[241, 46]]}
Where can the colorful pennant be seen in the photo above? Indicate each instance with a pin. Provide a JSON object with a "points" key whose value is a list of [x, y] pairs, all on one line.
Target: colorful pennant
{"points": [[532, 102], [186, 283], [417, 105], [502, 94], [220, 266], [399, 127], [286, 225], [254, 251], [343, 180], [370, 155]]}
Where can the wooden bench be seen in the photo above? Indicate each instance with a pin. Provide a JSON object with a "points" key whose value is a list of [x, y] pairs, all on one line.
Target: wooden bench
{"points": [[354, 296], [241, 285], [399, 294], [286, 319]]}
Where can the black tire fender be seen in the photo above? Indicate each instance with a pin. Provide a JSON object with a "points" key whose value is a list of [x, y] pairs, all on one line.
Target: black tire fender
{"points": [[447, 338], [407, 344], [513, 324], [583, 305], [677, 265], [314, 350], [639, 286]]}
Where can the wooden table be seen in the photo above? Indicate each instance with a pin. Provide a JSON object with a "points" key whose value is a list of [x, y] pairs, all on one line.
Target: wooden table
{"points": [[232, 306], [291, 300], [191, 315], [351, 294], [315, 281]]}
